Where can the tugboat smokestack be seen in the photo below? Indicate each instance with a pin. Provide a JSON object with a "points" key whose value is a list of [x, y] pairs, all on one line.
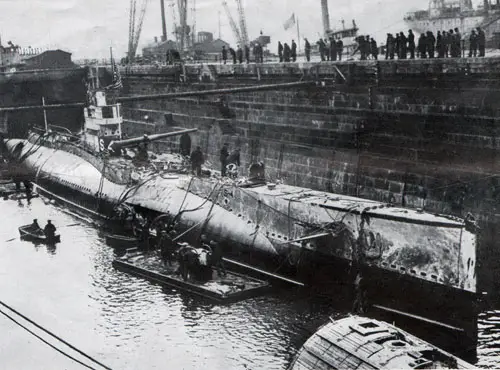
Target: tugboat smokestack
{"points": [[326, 16]]}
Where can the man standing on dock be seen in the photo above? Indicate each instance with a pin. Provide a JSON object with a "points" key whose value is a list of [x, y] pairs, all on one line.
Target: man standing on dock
{"points": [[224, 54], [293, 51], [307, 49], [322, 47], [224, 154], [233, 55], [411, 44], [247, 54], [239, 53], [280, 51], [481, 41]]}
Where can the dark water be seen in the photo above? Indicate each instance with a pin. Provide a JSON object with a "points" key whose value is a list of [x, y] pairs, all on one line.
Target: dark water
{"points": [[128, 323]]}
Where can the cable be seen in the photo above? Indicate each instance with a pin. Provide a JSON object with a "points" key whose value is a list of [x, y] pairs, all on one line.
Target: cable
{"points": [[53, 335], [44, 341]]}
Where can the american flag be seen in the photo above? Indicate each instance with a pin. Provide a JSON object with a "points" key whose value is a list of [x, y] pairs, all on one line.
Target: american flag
{"points": [[117, 79]]}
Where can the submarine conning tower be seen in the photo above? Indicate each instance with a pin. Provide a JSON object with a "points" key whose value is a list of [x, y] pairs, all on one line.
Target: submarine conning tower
{"points": [[103, 122]]}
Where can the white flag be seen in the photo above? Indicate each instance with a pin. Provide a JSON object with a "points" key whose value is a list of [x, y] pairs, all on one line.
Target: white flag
{"points": [[290, 22]]}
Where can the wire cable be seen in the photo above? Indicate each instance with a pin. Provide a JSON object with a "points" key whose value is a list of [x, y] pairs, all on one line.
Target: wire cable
{"points": [[53, 335], [44, 341]]}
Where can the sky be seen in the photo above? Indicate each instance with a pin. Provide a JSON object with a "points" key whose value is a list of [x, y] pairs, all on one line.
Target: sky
{"points": [[88, 28]]}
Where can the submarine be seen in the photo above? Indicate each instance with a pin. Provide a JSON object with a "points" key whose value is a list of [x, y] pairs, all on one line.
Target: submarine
{"points": [[414, 265]]}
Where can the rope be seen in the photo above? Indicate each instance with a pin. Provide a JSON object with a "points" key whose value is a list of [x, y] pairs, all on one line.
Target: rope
{"points": [[52, 335]]}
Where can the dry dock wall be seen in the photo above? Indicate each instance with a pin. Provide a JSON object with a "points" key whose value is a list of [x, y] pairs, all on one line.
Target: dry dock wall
{"points": [[418, 133], [28, 88]]}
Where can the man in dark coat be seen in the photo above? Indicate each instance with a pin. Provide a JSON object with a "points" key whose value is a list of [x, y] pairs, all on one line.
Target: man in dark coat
{"points": [[374, 48], [389, 47], [458, 43], [286, 53], [333, 49], [197, 160], [446, 43], [224, 54], [481, 41], [224, 154], [321, 46], [307, 49], [411, 44], [403, 50], [431, 44], [473, 44], [422, 46], [233, 54], [239, 54], [340, 49], [280, 51], [439, 45], [397, 46], [293, 51], [247, 54], [50, 230]]}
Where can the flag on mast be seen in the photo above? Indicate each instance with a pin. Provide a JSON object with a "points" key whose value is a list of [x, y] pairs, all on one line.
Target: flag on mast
{"points": [[117, 78], [290, 22]]}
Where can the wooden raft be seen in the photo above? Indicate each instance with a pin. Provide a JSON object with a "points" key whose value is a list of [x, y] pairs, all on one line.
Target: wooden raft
{"points": [[362, 343], [230, 288]]}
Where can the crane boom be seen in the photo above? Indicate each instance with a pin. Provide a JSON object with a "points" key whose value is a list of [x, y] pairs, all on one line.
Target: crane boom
{"points": [[135, 28], [139, 26], [235, 29], [243, 23], [131, 30]]}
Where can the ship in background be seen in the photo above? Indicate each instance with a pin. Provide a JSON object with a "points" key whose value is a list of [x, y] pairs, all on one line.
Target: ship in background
{"points": [[443, 15]]}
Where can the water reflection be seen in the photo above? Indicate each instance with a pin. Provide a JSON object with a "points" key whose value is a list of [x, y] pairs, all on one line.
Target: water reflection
{"points": [[128, 322]]}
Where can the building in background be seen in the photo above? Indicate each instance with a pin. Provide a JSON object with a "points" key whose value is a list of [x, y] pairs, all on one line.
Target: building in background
{"points": [[49, 59]]}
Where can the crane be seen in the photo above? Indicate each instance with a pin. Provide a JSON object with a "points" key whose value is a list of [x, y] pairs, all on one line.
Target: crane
{"points": [[243, 23], [236, 31], [172, 6], [182, 5], [135, 28]]}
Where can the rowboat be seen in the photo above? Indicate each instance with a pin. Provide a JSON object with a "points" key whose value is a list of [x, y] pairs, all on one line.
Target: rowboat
{"points": [[37, 237], [121, 241], [358, 342]]}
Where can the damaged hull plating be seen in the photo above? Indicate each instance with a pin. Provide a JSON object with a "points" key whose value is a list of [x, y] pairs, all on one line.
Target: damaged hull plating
{"points": [[312, 235]]}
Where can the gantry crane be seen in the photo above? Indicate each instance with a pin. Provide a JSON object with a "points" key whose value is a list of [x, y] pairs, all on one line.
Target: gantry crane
{"points": [[135, 28], [234, 27], [243, 23], [183, 31]]}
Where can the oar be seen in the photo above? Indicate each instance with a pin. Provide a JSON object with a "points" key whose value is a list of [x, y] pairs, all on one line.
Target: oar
{"points": [[10, 240], [69, 225]]}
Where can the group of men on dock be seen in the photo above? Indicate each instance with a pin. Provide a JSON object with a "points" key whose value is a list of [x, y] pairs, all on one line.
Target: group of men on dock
{"points": [[243, 54], [446, 44]]}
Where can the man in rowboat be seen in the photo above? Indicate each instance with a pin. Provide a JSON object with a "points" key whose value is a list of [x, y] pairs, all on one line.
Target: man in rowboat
{"points": [[34, 227], [49, 230]]}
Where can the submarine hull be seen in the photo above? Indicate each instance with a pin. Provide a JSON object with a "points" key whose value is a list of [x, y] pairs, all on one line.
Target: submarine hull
{"points": [[449, 308]]}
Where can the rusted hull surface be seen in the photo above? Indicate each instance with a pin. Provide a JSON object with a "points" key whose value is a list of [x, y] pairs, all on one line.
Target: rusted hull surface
{"points": [[433, 248]]}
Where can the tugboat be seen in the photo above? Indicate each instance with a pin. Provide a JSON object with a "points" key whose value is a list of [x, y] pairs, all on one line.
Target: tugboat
{"points": [[415, 263]]}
